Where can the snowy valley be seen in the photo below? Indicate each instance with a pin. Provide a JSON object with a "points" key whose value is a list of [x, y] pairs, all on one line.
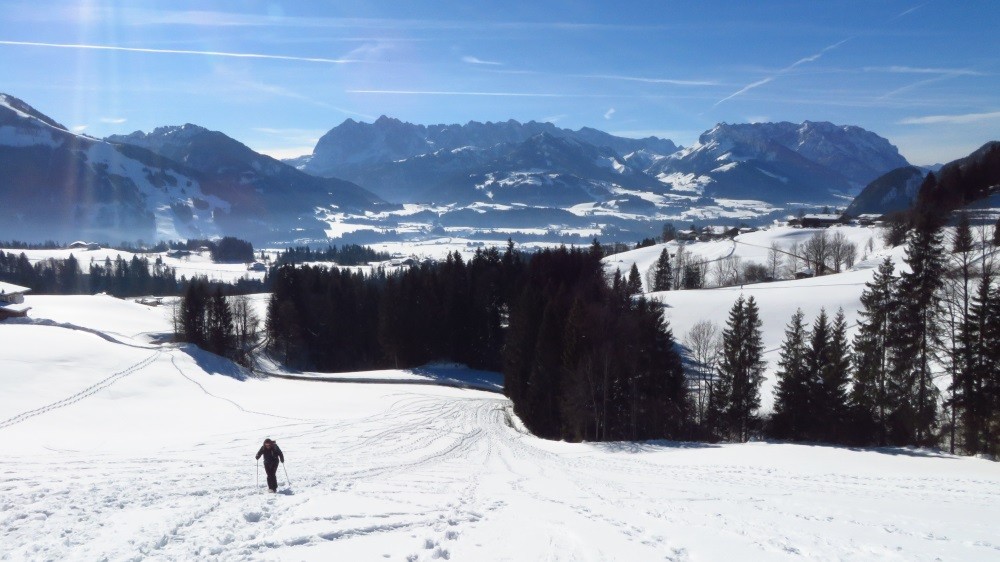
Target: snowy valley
{"points": [[122, 445]]}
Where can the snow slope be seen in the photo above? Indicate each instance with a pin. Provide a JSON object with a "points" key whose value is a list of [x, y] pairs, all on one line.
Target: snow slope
{"points": [[119, 448], [777, 301]]}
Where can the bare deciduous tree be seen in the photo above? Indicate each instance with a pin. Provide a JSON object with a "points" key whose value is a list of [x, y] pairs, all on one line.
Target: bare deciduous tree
{"points": [[850, 254], [836, 247], [817, 252], [775, 259], [703, 341], [794, 259], [246, 326]]}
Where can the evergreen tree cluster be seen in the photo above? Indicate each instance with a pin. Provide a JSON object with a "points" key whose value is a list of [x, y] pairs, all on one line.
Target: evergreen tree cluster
{"points": [[930, 318], [337, 320], [347, 254], [588, 361], [215, 323], [581, 360], [119, 277], [811, 395], [232, 250]]}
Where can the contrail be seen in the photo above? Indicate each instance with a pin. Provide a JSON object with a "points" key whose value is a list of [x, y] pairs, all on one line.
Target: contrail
{"points": [[785, 70], [174, 52]]}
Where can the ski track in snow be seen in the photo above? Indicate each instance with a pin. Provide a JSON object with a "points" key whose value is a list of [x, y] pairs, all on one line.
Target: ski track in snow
{"points": [[419, 473], [444, 468]]}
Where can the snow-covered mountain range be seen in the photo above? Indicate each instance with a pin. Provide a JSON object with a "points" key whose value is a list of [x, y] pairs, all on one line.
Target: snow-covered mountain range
{"points": [[537, 163], [177, 182], [388, 179]]}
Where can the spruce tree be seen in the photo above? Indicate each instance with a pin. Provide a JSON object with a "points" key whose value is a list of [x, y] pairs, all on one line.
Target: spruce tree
{"points": [[959, 296], [741, 371], [634, 283], [791, 394], [981, 337], [663, 277], [869, 395], [194, 315], [220, 325], [991, 383], [915, 334], [831, 399], [818, 365]]}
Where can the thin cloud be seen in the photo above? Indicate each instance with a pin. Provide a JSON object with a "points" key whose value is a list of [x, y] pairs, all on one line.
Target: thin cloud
{"points": [[285, 153], [113, 120], [209, 18], [671, 81], [174, 51], [787, 69], [474, 60], [609, 113], [286, 93], [302, 136], [962, 119], [489, 94], [924, 70], [79, 128]]}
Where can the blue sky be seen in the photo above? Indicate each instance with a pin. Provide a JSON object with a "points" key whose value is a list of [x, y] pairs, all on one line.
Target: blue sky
{"points": [[277, 75]]}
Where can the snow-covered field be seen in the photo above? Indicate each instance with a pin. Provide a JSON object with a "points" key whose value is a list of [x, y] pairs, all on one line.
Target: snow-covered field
{"points": [[195, 265], [778, 300], [120, 447]]}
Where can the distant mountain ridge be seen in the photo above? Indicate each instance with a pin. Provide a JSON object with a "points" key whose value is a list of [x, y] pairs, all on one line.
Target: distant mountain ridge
{"points": [[890, 193], [354, 143], [176, 183], [504, 178], [231, 163], [778, 163], [970, 182], [961, 183]]}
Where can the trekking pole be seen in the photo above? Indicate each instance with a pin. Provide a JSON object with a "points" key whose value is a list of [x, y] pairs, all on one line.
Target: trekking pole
{"points": [[258, 476], [289, 482]]}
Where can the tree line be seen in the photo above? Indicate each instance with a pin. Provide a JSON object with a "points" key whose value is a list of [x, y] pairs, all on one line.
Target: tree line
{"points": [[346, 254], [133, 277], [939, 317], [226, 326], [581, 359]]}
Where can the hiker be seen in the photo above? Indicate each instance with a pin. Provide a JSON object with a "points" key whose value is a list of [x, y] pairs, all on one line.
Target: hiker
{"points": [[272, 455]]}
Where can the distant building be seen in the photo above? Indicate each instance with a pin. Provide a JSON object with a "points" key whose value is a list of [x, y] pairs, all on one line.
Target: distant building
{"points": [[256, 266], [717, 233], [869, 219], [12, 301], [81, 245], [820, 221], [687, 235], [178, 253]]}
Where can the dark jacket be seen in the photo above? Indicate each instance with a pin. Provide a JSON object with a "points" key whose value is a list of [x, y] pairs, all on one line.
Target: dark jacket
{"points": [[271, 456]]}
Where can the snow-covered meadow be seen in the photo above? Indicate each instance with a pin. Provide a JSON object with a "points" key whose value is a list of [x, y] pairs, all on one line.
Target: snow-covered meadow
{"points": [[120, 446]]}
